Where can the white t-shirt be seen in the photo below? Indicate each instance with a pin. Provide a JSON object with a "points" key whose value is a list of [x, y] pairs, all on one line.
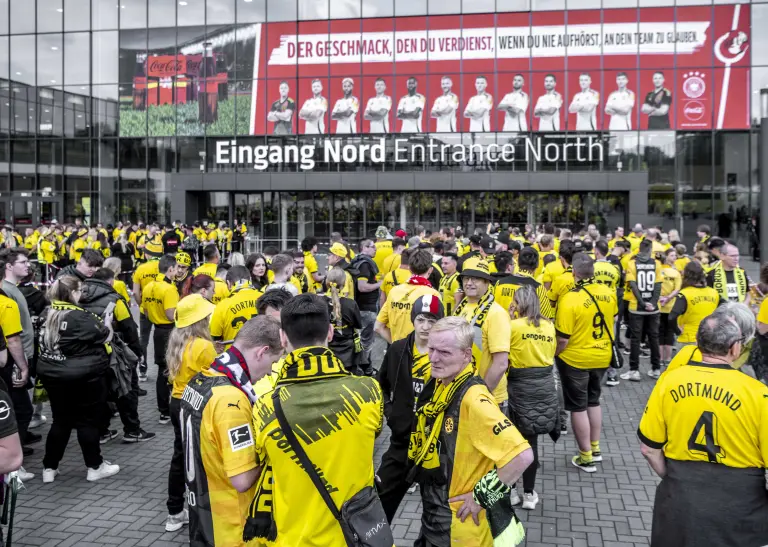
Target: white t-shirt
{"points": [[377, 103], [514, 121], [347, 124], [447, 122], [479, 102], [549, 100], [315, 126], [410, 103], [621, 99], [586, 121]]}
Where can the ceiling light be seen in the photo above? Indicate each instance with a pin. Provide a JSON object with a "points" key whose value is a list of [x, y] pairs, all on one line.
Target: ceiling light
{"points": [[79, 115], [54, 48], [18, 74], [46, 111], [182, 3], [53, 81], [60, 10]]}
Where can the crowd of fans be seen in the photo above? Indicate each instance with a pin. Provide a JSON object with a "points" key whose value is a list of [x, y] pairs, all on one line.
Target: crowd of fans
{"points": [[265, 368]]}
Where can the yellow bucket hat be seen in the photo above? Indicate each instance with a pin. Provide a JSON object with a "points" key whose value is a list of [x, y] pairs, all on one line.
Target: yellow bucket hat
{"points": [[191, 309]]}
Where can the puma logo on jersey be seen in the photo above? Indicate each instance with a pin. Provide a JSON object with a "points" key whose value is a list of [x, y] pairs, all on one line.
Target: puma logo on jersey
{"points": [[236, 405]]}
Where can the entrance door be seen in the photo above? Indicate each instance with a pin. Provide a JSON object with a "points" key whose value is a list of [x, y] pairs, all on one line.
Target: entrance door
{"points": [[48, 210]]}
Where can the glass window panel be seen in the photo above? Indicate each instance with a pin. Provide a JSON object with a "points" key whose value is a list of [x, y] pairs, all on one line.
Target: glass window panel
{"points": [[282, 10], [374, 203], [619, 3], [133, 13], [621, 151], [190, 149], [463, 204], [350, 9], [133, 206], [105, 13], [3, 16], [584, 4], [133, 164], [657, 3], [77, 51], [162, 13], [410, 7], [23, 183], [105, 110], [547, 5], [271, 208], [478, 6], [50, 15], [4, 60], [190, 13], [482, 210], [251, 12], [378, 8], [220, 11], [356, 228], [77, 14], [77, 112], [22, 17], [312, 10], [733, 219], [657, 150], [445, 6], [732, 161], [759, 40], [105, 57], [22, 153], [23, 59], [428, 211], [695, 209], [392, 217], [694, 162], [513, 5], [50, 60]]}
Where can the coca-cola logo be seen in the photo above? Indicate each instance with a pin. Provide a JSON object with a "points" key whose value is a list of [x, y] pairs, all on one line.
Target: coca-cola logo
{"points": [[693, 111], [165, 67]]}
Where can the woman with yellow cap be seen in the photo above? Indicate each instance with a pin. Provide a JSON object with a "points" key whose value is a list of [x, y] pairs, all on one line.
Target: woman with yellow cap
{"points": [[190, 350]]}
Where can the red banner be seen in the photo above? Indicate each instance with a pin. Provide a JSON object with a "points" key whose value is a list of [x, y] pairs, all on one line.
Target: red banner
{"points": [[587, 70]]}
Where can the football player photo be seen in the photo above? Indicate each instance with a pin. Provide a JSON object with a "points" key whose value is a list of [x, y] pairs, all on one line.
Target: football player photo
{"points": [[657, 104], [345, 109], [515, 106], [410, 108], [445, 106], [281, 113], [584, 105], [479, 107], [620, 104], [313, 110], [548, 106], [378, 108]]}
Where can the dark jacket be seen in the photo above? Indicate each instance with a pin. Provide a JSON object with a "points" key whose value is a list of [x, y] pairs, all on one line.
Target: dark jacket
{"points": [[346, 338], [397, 389], [80, 353], [126, 258], [533, 400], [96, 296], [36, 300], [71, 270]]}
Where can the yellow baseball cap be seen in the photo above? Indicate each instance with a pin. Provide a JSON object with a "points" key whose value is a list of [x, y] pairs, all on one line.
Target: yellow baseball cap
{"points": [[476, 267], [183, 258], [153, 249], [191, 309], [339, 250]]}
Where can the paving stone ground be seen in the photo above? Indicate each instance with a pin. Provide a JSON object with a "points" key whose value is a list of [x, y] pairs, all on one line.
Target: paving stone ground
{"points": [[610, 508]]}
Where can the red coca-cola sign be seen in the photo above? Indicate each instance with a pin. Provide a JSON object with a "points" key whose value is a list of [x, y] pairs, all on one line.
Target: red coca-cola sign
{"points": [[165, 66], [694, 111]]}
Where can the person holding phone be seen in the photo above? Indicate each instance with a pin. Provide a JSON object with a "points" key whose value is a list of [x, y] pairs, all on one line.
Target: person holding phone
{"points": [[74, 365]]}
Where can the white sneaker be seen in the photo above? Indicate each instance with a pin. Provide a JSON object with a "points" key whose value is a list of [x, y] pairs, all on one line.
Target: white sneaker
{"points": [[49, 475], [175, 522], [25, 475], [530, 500], [632, 375], [106, 469], [514, 497], [654, 374], [37, 421]]}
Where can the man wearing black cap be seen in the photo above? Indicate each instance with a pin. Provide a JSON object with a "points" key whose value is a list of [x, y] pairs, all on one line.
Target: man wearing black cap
{"points": [[404, 375]]}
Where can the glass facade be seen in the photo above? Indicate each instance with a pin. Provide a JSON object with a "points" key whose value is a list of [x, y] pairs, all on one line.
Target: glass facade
{"points": [[102, 102]]}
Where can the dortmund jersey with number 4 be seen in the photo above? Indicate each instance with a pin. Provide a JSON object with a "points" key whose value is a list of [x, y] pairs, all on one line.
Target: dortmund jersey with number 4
{"points": [[707, 412]]}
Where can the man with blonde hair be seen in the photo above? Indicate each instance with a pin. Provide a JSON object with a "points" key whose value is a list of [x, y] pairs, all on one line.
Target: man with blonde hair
{"points": [[493, 453]]}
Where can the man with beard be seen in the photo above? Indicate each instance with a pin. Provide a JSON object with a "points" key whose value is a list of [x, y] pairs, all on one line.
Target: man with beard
{"points": [[378, 108], [445, 106], [548, 106], [410, 108], [479, 107], [345, 109], [313, 110], [515, 106]]}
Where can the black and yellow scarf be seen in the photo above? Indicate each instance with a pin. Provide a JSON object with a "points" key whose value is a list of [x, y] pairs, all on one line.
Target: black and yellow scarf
{"points": [[481, 313], [423, 451], [721, 282], [302, 365]]}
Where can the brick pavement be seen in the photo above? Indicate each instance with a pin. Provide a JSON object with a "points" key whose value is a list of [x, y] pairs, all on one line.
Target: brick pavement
{"points": [[610, 508]]}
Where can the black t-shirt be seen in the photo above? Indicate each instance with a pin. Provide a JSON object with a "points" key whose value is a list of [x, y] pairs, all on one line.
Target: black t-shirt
{"points": [[656, 99], [366, 301], [7, 417]]}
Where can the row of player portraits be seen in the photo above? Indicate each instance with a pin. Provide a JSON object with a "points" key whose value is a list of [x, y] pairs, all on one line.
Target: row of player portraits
{"points": [[412, 111]]}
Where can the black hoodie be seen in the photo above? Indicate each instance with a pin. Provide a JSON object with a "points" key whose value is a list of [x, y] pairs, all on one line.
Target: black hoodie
{"points": [[397, 388], [96, 295]]}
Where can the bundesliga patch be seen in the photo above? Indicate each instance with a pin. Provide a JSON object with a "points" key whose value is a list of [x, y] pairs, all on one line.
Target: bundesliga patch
{"points": [[240, 437]]}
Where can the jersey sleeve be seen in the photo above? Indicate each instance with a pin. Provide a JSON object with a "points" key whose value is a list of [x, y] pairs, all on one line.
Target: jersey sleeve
{"points": [[10, 318], [354, 104], [121, 311], [762, 315], [217, 321], [667, 98], [170, 298], [233, 432], [631, 274], [383, 316], [498, 330], [652, 429], [492, 433], [763, 431], [564, 320]]}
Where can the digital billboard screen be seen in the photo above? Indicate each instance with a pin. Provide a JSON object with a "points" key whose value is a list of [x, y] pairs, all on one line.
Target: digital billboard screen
{"points": [[683, 68]]}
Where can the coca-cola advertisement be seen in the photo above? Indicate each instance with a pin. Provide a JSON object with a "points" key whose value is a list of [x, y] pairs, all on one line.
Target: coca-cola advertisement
{"points": [[188, 82]]}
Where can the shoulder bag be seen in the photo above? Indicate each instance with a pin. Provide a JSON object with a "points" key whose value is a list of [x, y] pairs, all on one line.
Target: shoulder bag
{"points": [[362, 518], [617, 359]]}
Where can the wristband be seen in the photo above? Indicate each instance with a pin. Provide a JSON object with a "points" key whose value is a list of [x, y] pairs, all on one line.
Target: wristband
{"points": [[489, 490]]}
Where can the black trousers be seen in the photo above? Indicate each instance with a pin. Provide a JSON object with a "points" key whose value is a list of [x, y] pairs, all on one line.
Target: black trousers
{"points": [[392, 486], [128, 407], [145, 330], [644, 325], [162, 387], [176, 484], [529, 475], [79, 405]]}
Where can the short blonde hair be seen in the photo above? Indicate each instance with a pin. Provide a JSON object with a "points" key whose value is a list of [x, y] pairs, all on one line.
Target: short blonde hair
{"points": [[113, 263], [459, 327]]}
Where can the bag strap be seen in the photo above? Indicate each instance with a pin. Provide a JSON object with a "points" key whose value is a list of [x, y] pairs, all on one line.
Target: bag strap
{"points": [[306, 463], [600, 312]]}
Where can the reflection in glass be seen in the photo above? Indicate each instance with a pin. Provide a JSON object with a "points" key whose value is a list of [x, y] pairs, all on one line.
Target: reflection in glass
{"points": [[77, 51], [77, 15], [23, 17], [50, 15], [657, 150], [694, 161]]}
